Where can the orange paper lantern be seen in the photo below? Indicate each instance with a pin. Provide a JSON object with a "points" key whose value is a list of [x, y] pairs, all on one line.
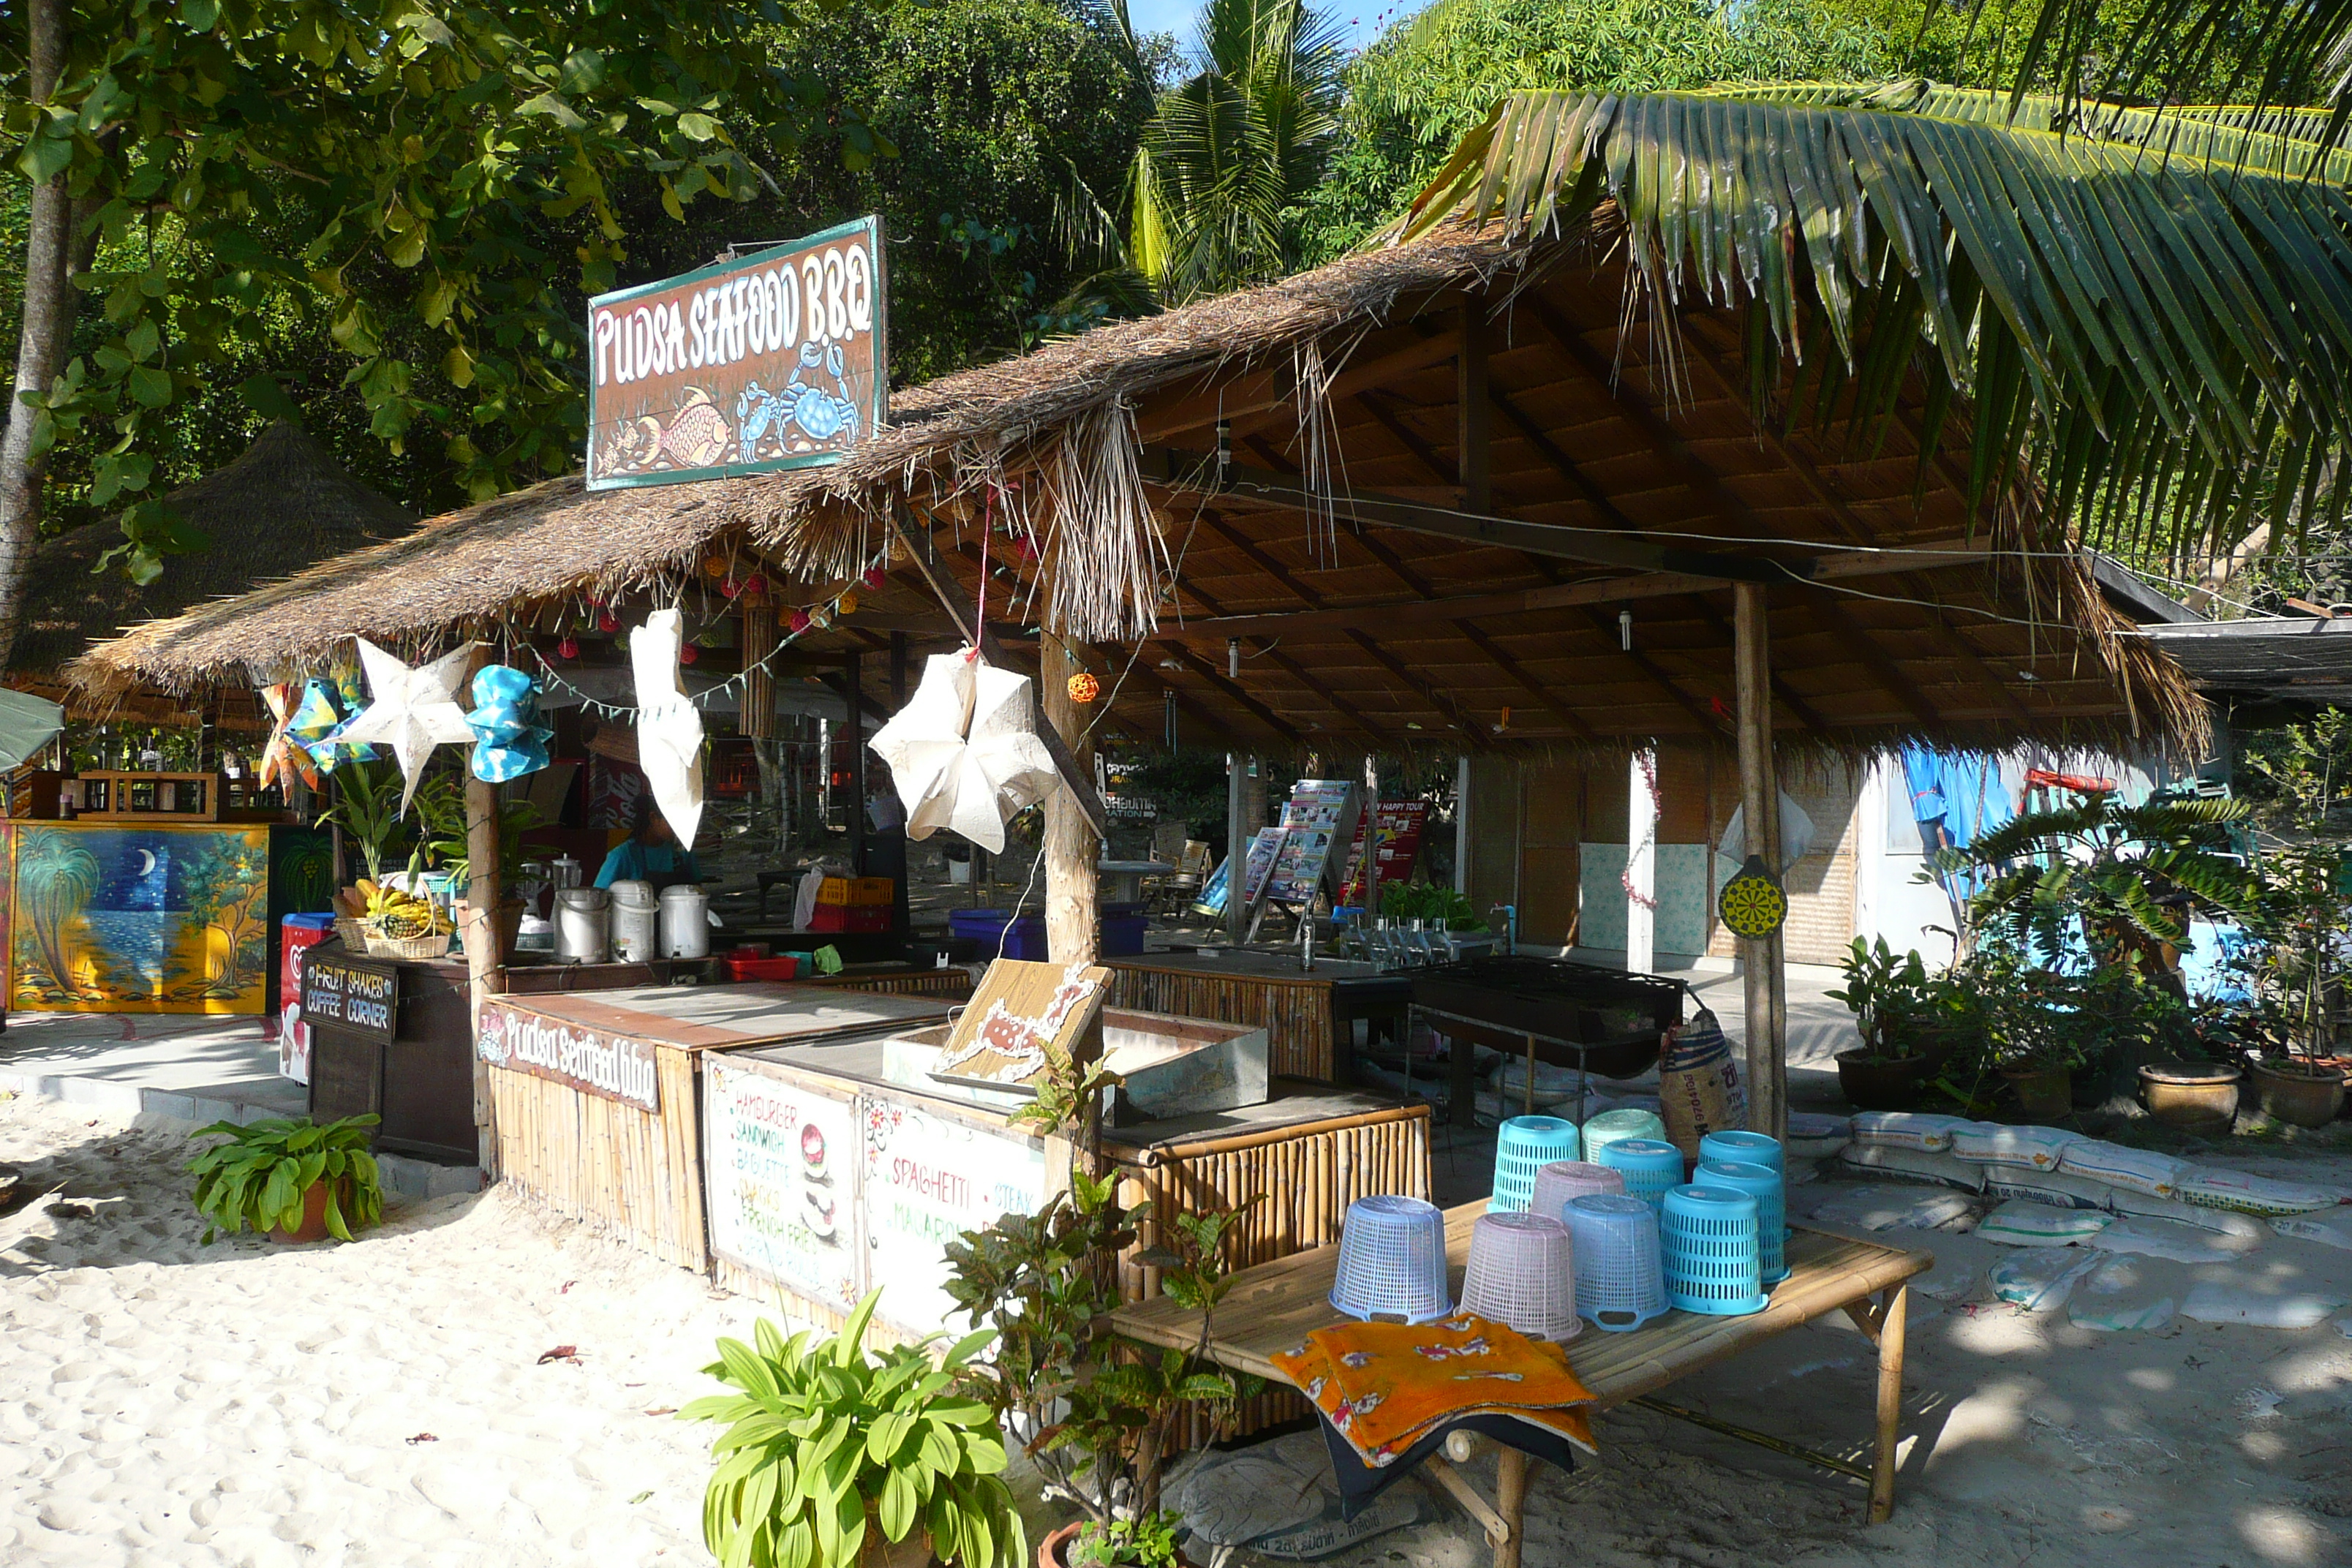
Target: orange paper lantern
{"points": [[1084, 688]]}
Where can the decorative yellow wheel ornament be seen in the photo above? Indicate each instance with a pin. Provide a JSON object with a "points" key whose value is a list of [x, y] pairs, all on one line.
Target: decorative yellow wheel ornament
{"points": [[1753, 903]]}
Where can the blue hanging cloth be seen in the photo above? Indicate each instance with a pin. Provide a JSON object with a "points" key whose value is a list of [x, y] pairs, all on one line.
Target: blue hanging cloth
{"points": [[510, 741]]}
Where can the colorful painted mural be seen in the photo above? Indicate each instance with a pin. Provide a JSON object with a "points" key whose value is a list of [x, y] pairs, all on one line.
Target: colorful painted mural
{"points": [[140, 919]]}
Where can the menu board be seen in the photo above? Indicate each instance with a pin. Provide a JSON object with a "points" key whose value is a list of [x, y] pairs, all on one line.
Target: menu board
{"points": [[1318, 813], [357, 997], [927, 1178], [1259, 865], [781, 1172], [1398, 827]]}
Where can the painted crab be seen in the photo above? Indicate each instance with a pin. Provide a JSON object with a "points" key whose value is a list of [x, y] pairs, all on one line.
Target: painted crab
{"points": [[824, 418]]}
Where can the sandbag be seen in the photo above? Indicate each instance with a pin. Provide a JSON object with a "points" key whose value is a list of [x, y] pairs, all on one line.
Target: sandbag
{"points": [[1990, 1144], [2055, 1188], [2018, 1222], [2327, 1229], [2040, 1281], [1906, 1130], [2220, 1222], [1699, 1090], [2163, 1238], [1913, 1166], [2138, 1170], [2213, 1301], [2095, 1304], [1883, 1208], [2211, 1187]]}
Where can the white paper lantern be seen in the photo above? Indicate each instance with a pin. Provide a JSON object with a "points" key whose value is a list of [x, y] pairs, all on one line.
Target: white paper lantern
{"points": [[669, 726]]}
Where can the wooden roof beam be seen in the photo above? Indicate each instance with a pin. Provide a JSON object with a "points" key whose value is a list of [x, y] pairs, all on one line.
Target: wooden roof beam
{"points": [[1437, 699], [1500, 657], [1788, 694], [1707, 719]]}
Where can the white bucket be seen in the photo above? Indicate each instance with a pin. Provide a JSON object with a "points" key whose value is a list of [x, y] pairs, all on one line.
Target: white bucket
{"points": [[685, 921], [580, 924]]}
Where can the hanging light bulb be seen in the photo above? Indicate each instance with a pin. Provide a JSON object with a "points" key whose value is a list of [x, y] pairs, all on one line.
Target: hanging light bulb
{"points": [[1625, 630], [1233, 658]]}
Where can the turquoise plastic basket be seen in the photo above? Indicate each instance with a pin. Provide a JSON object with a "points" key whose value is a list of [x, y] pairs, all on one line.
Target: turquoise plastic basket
{"points": [[1709, 1245], [1523, 1146], [1652, 1167], [1607, 1128], [1744, 1149], [1764, 1185]]}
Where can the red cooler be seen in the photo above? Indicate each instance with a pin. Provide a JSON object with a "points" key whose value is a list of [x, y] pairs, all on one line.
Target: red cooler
{"points": [[298, 933]]}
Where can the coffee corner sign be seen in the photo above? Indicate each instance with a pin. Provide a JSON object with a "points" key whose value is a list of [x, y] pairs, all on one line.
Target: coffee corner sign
{"points": [[772, 361]]}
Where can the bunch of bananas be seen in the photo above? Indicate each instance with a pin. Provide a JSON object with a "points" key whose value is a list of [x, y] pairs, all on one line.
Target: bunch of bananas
{"points": [[400, 915]]}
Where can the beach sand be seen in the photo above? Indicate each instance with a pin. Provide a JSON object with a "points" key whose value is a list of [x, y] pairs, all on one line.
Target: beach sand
{"points": [[170, 1406]]}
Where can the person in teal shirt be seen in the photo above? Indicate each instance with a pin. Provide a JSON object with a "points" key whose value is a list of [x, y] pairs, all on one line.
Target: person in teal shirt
{"points": [[651, 853]]}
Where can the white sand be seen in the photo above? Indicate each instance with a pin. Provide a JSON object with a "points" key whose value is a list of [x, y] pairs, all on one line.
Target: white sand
{"points": [[166, 1405]]}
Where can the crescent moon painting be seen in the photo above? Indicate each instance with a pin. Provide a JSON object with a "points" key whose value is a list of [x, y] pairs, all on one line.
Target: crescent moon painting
{"points": [[146, 862]]}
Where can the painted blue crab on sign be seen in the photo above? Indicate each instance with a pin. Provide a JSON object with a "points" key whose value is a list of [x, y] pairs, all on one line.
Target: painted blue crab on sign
{"points": [[824, 418]]}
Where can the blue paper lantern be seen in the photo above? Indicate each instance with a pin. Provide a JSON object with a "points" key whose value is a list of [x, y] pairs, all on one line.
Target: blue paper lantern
{"points": [[318, 718], [510, 741]]}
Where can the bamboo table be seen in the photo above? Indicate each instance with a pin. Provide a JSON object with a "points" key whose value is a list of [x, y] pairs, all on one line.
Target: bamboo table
{"points": [[1272, 1308]]}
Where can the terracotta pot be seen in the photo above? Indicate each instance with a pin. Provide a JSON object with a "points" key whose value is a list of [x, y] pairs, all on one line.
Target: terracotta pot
{"points": [[1054, 1551], [2043, 1093], [2297, 1095], [2195, 1097], [314, 1217], [1870, 1085]]}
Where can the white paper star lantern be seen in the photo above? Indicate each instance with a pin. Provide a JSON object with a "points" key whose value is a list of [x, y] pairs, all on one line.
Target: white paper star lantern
{"points": [[965, 752], [669, 726], [412, 711]]}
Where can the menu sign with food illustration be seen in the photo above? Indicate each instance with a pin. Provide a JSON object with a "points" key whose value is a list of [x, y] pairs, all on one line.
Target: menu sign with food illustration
{"points": [[781, 1164], [928, 1178], [775, 360]]}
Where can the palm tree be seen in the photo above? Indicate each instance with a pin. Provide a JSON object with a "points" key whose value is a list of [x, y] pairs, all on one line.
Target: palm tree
{"points": [[1226, 157], [2147, 307]]}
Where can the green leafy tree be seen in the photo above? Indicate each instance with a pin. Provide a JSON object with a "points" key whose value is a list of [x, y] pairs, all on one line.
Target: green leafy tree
{"points": [[226, 878], [433, 183]]}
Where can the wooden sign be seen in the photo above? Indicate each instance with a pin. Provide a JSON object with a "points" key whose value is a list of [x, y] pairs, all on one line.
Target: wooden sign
{"points": [[781, 1177], [359, 998], [1018, 1013], [600, 1061], [777, 360], [929, 1176]]}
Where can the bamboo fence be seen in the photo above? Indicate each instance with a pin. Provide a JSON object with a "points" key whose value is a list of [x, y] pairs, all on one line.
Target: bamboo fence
{"points": [[1296, 1015], [637, 1173]]}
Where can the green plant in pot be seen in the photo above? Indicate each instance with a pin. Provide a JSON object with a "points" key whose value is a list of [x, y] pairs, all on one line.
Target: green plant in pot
{"points": [[2035, 1030], [367, 807], [1889, 998], [835, 1455], [447, 841], [292, 1178], [2297, 972]]}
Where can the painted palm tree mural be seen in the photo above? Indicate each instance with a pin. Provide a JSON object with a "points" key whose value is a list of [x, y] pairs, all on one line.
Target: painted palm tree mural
{"points": [[135, 918]]}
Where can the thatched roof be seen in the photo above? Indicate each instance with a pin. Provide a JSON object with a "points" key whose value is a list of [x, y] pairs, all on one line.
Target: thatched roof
{"points": [[1352, 635], [283, 505]]}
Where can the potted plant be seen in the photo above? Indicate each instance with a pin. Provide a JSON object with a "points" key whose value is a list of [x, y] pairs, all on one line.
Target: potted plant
{"points": [[2034, 1039], [1097, 1416], [1887, 997], [293, 1178], [2294, 970], [834, 1455], [448, 842]]}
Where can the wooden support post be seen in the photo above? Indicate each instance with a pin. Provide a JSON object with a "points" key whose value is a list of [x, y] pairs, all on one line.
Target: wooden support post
{"points": [[1764, 978], [1473, 412], [757, 717], [1073, 913], [1236, 846], [483, 956], [901, 919], [1640, 864], [1511, 1502], [852, 686], [1892, 1312]]}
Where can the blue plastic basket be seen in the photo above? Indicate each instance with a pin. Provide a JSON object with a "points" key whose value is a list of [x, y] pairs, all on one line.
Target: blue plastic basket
{"points": [[1523, 1146], [1708, 1241], [1651, 1167], [1744, 1149], [1392, 1260], [1608, 1127], [1620, 1282], [1771, 1200]]}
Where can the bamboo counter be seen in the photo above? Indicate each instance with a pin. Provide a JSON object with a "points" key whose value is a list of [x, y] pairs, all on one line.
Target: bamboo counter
{"points": [[1309, 1017], [594, 1094]]}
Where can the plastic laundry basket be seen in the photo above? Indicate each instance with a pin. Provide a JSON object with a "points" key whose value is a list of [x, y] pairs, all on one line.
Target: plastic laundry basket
{"points": [[1392, 1260], [1523, 1146], [1709, 1240], [1608, 1127], [1522, 1274], [1763, 1184], [1652, 1167], [1620, 1277], [1744, 1149], [1565, 1179]]}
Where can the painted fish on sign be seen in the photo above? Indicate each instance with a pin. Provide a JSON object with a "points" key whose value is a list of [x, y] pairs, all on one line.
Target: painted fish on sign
{"points": [[777, 360]]}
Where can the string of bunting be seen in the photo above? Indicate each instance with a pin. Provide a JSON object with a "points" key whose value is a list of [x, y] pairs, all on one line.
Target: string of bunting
{"points": [[802, 619]]}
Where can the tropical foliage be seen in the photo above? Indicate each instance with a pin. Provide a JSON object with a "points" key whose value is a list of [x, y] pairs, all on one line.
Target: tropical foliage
{"points": [[260, 1173], [826, 1441]]}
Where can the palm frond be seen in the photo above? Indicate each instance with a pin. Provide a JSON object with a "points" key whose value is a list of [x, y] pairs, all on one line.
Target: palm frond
{"points": [[2150, 311]]}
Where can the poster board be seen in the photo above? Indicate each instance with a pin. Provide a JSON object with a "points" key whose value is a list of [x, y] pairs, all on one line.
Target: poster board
{"points": [[930, 1175], [775, 360], [1318, 815], [1018, 1014], [1258, 865], [1398, 828], [781, 1167], [124, 917]]}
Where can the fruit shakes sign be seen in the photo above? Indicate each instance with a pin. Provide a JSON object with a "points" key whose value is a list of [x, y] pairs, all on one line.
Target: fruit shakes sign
{"points": [[772, 361]]}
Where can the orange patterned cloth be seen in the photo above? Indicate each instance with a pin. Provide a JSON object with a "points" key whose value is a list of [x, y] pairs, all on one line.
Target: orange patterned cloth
{"points": [[1384, 1387]]}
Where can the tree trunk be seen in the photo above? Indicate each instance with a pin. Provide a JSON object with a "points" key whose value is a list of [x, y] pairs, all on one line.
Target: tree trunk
{"points": [[46, 329], [1072, 912]]}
